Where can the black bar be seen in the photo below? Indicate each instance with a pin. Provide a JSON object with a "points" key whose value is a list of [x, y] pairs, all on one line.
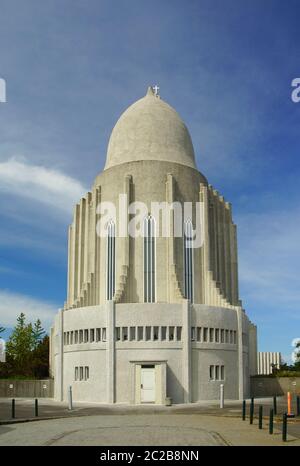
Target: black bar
{"points": [[275, 404], [244, 410], [13, 408], [271, 421], [36, 407], [260, 417], [251, 410], [298, 405], [284, 427]]}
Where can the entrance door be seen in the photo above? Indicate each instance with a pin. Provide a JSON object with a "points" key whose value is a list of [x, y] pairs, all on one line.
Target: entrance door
{"points": [[147, 384]]}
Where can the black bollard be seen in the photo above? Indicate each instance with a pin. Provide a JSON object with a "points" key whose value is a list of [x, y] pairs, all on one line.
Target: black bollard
{"points": [[284, 427], [275, 404], [298, 405], [244, 410], [13, 408], [36, 407], [251, 410], [260, 417], [271, 421]]}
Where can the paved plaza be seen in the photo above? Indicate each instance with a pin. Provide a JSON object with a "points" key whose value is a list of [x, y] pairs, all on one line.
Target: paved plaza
{"points": [[94, 424]]}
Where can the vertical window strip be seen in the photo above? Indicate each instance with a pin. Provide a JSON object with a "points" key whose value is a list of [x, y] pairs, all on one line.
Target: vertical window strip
{"points": [[188, 260], [153, 261], [110, 262], [149, 260]]}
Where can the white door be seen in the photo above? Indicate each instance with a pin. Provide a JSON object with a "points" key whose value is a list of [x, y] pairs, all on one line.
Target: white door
{"points": [[147, 384]]}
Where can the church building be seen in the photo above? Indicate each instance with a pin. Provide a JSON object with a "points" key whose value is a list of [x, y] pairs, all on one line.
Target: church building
{"points": [[152, 312]]}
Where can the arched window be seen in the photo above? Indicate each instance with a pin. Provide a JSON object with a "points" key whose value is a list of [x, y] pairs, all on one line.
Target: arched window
{"points": [[110, 261], [188, 261], [149, 259]]}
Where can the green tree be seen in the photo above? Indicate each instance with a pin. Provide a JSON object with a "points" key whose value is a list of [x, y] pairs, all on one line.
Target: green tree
{"points": [[38, 333], [20, 345], [27, 351], [40, 358]]}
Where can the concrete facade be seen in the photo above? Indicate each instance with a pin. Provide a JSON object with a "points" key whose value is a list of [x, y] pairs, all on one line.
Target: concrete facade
{"points": [[183, 359], [101, 347]]}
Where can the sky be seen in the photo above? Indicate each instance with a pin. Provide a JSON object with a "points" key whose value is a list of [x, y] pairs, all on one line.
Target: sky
{"points": [[72, 67]]}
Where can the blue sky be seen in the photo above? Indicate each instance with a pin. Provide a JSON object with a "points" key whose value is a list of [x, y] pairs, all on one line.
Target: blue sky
{"points": [[71, 67]]}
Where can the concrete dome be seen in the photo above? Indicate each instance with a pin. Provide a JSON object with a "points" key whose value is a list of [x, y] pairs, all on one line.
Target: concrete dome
{"points": [[150, 129]]}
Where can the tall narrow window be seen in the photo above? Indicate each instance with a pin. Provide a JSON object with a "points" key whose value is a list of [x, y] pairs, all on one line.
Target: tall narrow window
{"points": [[193, 333], [234, 337], [198, 333], [124, 333], [222, 335], [110, 261], [149, 259], [179, 331], [171, 333], [132, 332], [92, 335], [148, 333], [222, 373], [98, 334], [140, 333], [188, 260]]}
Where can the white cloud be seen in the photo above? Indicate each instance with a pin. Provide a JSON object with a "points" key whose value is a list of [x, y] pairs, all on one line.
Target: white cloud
{"points": [[41, 184], [12, 304]]}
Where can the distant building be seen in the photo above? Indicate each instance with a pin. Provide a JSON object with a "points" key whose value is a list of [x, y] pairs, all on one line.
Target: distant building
{"points": [[266, 361], [2, 350]]}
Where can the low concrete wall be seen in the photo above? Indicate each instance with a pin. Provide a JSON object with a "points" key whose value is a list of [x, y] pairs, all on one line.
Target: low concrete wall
{"points": [[270, 386], [27, 388]]}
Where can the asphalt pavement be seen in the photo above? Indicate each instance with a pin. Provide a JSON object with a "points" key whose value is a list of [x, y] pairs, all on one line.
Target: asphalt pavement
{"points": [[96, 424]]}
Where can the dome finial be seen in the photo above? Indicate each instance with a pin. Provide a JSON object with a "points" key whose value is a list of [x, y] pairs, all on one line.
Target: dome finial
{"points": [[153, 91]]}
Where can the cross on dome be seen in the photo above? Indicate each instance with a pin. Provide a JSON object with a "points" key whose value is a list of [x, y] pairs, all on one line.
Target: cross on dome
{"points": [[155, 90]]}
